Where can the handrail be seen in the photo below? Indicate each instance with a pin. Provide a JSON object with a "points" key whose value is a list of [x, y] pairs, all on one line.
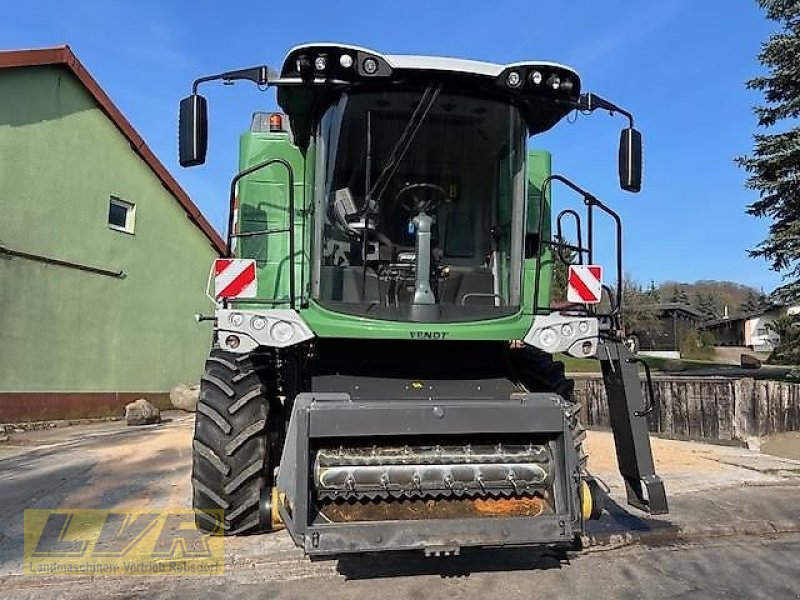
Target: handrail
{"points": [[591, 202], [559, 232], [650, 404], [232, 200]]}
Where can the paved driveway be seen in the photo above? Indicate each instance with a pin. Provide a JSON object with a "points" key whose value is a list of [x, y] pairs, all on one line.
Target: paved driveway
{"points": [[729, 531]]}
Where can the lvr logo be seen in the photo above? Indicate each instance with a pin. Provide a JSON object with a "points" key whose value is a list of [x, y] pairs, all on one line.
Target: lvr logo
{"points": [[93, 537]]}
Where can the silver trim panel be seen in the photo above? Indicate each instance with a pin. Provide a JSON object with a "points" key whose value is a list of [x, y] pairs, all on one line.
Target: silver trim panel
{"points": [[571, 343], [241, 323]]}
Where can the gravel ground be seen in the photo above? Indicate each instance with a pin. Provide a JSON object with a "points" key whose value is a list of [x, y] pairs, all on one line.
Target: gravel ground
{"points": [[718, 495]]}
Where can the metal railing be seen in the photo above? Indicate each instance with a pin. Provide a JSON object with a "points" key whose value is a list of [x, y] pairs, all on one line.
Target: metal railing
{"points": [[266, 232], [559, 247]]}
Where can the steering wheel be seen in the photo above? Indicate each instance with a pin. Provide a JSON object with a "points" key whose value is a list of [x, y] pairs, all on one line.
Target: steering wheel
{"points": [[425, 197]]}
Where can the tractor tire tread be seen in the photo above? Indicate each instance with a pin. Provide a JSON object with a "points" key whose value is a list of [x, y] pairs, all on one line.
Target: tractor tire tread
{"points": [[540, 373], [217, 418], [231, 463]]}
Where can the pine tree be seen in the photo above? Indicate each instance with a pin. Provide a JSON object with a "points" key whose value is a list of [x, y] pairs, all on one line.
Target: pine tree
{"points": [[680, 296], [708, 306], [653, 293], [562, 258], [639, 315], [774, 166], [753, 303]]}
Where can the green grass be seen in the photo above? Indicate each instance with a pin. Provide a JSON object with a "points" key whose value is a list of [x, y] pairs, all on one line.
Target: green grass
{"points": [[579, 365]]}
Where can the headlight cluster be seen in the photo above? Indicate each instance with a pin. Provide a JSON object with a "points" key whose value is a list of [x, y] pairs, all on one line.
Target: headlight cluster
{"points": [[340, 64], [539, 79], [280, 331], [550, 337]]}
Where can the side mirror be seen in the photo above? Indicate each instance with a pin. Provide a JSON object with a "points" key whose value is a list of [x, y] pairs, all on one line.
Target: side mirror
{"points": [[193, 131], [630, 160]]}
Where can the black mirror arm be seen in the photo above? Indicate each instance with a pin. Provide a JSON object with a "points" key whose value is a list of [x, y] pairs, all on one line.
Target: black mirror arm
{"points": [[258, 75], [590, 102]]}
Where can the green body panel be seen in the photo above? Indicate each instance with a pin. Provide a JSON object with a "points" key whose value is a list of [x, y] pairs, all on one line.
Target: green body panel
{"points": [[67, 330], [263, 205], [326, 323], [539, 168]]}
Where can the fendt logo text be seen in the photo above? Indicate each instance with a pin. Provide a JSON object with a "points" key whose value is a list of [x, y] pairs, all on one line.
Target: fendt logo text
{"points": [[428, 335]]}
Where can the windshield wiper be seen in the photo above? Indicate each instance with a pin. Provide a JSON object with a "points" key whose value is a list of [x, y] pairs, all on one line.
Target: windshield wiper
{"points": [[399, 150], [404, 142]]}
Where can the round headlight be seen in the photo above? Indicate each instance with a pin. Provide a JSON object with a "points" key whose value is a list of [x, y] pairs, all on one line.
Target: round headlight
{"points": [[548, 337], [232, 341], [554, 82], [236, 319], [566, 85], [282, 331], [535, 77], [567, 330], [514, 79], [583, 326], [258, 323], [346, 61], [370, 66], [320, 63]]}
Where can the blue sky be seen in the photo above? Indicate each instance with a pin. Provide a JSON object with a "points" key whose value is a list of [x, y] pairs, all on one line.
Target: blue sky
{"points": [[679, 65]]}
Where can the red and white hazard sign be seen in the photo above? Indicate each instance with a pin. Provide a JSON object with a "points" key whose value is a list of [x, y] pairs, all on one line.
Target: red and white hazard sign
{"points": [[585, 284], [235, 278]]}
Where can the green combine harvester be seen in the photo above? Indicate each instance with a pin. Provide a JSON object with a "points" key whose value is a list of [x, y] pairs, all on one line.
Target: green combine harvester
{"points": [[382, 372]]}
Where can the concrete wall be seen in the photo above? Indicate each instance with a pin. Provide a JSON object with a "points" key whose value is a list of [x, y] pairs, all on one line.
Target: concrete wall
{"points": [[708, 408], [63, 330]]}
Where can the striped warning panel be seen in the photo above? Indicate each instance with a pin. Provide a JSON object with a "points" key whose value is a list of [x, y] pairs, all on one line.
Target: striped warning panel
{"points": [[235, 278], [585, 284]]}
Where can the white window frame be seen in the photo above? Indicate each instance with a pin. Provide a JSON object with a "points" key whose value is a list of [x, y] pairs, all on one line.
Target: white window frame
{"points": [[130, 214]]}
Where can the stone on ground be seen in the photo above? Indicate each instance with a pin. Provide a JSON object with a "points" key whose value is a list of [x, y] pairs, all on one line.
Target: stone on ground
{"points": [[184, 397], [142, 412], [749, 361]]}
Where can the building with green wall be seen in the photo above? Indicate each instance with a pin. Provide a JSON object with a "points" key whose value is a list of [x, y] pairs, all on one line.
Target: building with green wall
{"points": [[103, 257]]}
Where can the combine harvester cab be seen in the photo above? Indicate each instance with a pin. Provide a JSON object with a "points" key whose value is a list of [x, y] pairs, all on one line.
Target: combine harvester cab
{"points": [[382, 376]]}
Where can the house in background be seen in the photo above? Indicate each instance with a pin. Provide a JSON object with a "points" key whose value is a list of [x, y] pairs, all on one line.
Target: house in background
{"points": [[663, 337], [753, 331], [103, 257]]}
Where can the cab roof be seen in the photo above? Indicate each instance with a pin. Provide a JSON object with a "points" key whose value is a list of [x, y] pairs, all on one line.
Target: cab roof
{"points": [[419, 62], [312, 75]]}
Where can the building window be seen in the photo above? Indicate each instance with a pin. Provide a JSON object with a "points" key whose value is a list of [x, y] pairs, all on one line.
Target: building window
{"points": [[121, 214]]}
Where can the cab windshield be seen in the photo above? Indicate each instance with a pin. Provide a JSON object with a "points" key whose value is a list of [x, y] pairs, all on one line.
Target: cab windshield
{"points": [[420, 186]]}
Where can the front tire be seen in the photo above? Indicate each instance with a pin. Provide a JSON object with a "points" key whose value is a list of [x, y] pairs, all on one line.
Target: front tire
{"points": [[231, 458], [538, 372]]}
